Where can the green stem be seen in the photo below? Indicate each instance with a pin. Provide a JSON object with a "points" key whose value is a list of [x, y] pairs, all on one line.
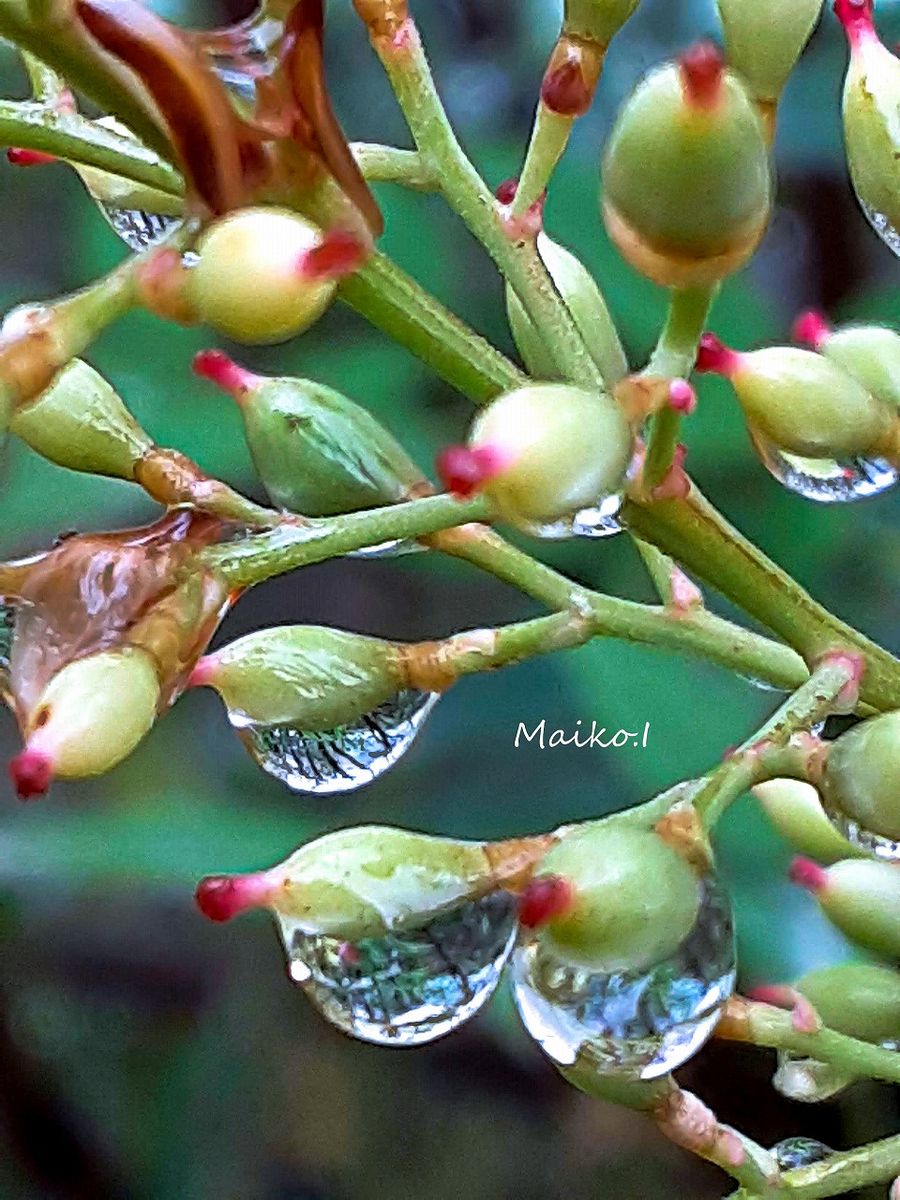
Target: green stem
{"points": [[693, 533], [549, 139], [393, 301], [388, 164], [673, 358], [878, 1162]]}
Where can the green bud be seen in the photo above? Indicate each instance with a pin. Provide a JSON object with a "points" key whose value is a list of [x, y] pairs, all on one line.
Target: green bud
{"points": [[686, 175], [859, 999], [870, 353], [633, 899], [794, 808], [764, 39], [803, 402], [597, 20], [251, 281], [305, 676], [584, 301], [548, 450], [861, 897], [91, 715], [862, 775], [80, 422]]}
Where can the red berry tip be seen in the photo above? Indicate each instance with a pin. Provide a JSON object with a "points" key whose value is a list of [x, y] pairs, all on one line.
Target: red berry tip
{"points": [[339, 253], [31, 773], [204, 671], [564, 90], [779, 995], [464, 470], [808, 874], [224, 372], [221, 897], [506, 192], [29, 158], [702, 68], [544, 899], [856, 16], [714, 357], [682, 396], [811, 328]]}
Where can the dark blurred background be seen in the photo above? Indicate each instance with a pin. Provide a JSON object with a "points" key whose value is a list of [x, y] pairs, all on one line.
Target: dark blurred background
{"points": [[146, 1054]]}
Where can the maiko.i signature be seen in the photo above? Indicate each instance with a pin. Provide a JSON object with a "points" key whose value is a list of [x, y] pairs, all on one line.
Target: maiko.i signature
{"points": [[595, 738]]}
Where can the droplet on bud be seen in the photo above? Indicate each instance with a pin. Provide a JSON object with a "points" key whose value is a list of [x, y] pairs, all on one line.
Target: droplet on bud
{"points": [[807, 1080], [794, 1152], [859, 785]]}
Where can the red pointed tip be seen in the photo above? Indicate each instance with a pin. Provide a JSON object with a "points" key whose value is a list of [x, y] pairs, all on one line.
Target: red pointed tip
{"points": [[31, 773], [339, 253], [857, 18], [779, 995], [221, 897], [715, 358], [464, 470], [811, 328], [19, 157], [807, 874], [702, 68], [564, 89], [224, 372], [204, 671], [506, 192], [544, 899], [682, 397]]}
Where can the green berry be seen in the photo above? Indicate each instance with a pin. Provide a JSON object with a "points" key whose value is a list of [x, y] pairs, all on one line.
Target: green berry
{"points": [[764, 39], [249, 281], [634, 899], [686, 175], [585, 302], [862, 775], [80, 422], [861, 1000]]}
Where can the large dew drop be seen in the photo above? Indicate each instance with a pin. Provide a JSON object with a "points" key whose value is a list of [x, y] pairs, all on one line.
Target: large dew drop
{"points": [[7, 628], [796, 1152], [343, 759], [644, 1023], [244, 54], [824, 479], [409, 987], [866, 839], [888, 233], [807, 1080], [601, 520]]}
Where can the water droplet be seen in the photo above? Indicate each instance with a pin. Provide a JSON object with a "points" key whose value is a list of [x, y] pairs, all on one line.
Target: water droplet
{"points": [[643, 1022], [600, 520], [245, 53], [388, 549], [888, 233], [808, 1080], [825, 479], [796, 1152], [407, 988], [866, 839], [343, 759], [138, 229], [7, 629]]}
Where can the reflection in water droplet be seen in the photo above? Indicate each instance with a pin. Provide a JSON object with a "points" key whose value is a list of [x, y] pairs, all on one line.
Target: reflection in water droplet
{"points": [[796, 1152], [138, 229], [409, 987], [643, 1022], [388, 549], [343, 759], [866, 839], [808, 1080], [888, 233], [823, 479], [244, 54], [599, 521], [7, 628]]}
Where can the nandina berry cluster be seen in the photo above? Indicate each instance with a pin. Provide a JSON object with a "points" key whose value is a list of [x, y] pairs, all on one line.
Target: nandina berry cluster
{"points": [[223, 168]]}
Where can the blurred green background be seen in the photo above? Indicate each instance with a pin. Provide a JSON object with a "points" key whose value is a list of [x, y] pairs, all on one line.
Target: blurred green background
{"points": [[147, 1054]]}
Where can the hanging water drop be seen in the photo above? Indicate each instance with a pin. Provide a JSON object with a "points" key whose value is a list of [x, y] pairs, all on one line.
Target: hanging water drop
{"points": [[388, 549], [807, 1080], [825, 480], [600, 520], [329, 762], [407, 988], [796, 1152], [138, 229], [245, 53], [646, 1022], [7, 629], [888, 233], [873, 843]]}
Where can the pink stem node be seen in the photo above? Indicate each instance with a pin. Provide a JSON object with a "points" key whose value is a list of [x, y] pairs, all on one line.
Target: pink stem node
{"points": [[808, 874], [715, 358], [682, 397], [675, 484]]}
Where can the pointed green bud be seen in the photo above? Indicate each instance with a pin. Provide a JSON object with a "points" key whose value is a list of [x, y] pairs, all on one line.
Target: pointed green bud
{"points": [[631, 900], [870, 353], [542, 452], [306, 676], [803, 402], [860, 896], [796, 811], [80, 422], [862, 775], [764, 39], [265, 274], [871, 110], [91, 715], [373, 879], [317, 452], [597, 20], [584, 301], [861, 1000], [686, 175]]}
